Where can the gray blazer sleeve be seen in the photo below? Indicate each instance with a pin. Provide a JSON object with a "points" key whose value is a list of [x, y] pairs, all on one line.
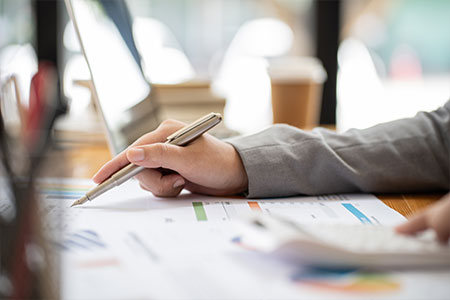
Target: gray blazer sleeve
{"points": [[408, 155]]}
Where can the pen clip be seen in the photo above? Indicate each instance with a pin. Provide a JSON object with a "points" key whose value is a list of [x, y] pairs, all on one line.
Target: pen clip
{"points": [[212, 118]]}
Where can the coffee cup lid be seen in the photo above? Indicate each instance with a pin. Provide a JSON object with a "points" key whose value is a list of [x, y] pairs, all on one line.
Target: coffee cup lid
{"points": [[297, 68]]}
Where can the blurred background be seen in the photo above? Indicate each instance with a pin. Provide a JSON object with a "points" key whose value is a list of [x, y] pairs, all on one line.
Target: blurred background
{"points": [[335, 63], [384, 59]]}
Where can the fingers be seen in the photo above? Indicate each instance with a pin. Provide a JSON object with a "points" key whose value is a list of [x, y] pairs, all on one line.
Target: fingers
{"points": [[158, 155], [440, 219], [443, 230], [436, 217], [121, 160], [414, 225], [110, 167], [161, 185]]}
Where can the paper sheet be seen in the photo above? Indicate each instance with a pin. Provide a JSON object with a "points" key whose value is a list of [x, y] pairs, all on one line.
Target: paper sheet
{"points": [[129, 244]]}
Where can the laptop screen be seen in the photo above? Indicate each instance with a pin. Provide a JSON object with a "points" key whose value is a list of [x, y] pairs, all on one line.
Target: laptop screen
{"points": [[122, 93]]}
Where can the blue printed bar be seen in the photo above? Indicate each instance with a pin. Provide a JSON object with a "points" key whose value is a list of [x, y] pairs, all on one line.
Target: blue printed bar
{"points": [[357, 213]]}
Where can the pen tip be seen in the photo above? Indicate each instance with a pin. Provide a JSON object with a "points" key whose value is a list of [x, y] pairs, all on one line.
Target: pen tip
{"points": [[79, 201]]}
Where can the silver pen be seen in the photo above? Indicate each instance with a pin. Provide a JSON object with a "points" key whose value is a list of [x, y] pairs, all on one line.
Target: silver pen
{"points": [[180, 138]]}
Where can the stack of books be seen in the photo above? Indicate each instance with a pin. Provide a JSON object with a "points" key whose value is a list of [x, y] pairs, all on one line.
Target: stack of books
{"points": [[187, 101]]}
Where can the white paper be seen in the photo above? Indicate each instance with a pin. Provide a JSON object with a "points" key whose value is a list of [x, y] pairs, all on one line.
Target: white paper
{"points": [[130, 244]]}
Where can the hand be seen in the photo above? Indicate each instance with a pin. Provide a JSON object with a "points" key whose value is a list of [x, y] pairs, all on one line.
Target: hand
{"points": [[207, 165], [436, 217]]}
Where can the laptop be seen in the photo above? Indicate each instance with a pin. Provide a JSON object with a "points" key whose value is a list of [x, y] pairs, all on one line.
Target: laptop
{"points": [[123, 96]]}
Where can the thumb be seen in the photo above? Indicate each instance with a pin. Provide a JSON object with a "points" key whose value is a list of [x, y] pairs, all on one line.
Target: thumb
{"points": [[158, 155]]}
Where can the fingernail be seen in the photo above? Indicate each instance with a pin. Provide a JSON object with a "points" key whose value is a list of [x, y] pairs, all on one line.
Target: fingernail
{"points": [[178, 183], [136, 154]]}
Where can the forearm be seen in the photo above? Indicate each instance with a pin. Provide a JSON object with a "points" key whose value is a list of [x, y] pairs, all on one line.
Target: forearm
{"points": [[405, 155]]}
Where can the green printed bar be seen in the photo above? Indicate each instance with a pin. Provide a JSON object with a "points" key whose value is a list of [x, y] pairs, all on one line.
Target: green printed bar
{"points": [[200, 212]]}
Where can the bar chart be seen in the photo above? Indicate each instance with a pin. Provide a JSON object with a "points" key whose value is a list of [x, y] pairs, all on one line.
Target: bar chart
{"points": [[313, 210]]}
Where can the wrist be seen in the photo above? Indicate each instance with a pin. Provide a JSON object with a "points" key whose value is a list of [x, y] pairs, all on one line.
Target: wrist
{"points": [[238, 174]]}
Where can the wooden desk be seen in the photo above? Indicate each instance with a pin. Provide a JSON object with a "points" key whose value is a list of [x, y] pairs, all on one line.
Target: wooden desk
{"points": [[84, 161]]}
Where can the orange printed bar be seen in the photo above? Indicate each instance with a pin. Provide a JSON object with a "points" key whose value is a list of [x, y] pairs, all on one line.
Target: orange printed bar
{"points": [[254, 206]]}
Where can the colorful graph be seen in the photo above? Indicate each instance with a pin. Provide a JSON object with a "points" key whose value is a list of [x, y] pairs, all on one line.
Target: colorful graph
{"points": [[63, 191], [222, 210], [317, 211], [346, 281]]}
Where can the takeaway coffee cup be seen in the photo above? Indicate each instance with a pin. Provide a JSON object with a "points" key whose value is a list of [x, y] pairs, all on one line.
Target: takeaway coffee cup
{"points": [[296, 84]]}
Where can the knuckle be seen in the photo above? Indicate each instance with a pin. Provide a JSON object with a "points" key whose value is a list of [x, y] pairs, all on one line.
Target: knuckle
{"points": [[141, 140], [144, 187], [170, 124], [141, 178], [159, 191], [164, 188]]}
